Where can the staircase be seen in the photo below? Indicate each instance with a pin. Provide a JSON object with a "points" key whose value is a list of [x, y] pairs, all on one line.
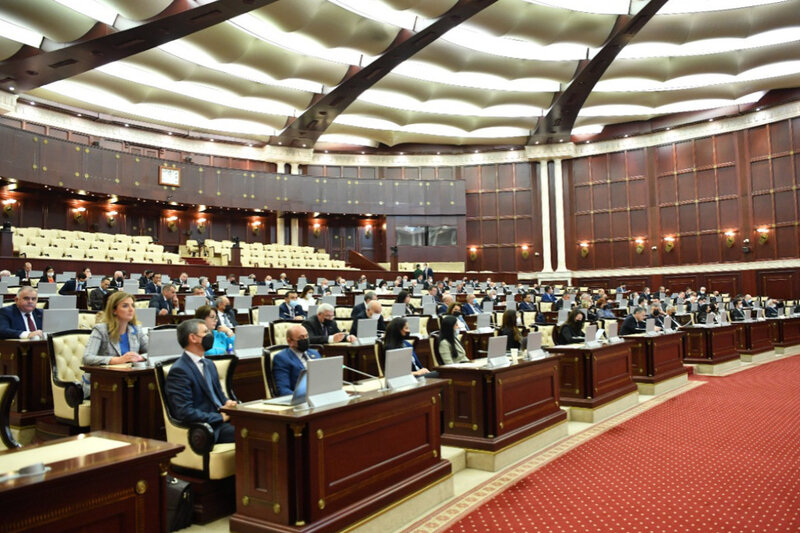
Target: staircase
{"points": [[195, 261]]}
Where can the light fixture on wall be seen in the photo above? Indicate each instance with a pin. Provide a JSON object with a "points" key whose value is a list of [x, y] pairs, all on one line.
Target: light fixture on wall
{"points": [[78, 214], [669, 243], [639, 245], [525, 251], [172, 223], [255, 227], [111, 218], [8, 206], [584, 248], [201, 225], [730, 238], [473, 253], [316, 228], [763, 234]]}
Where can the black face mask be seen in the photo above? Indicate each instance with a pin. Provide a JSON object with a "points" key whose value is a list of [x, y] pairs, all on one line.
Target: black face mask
{"points": [[456, 313], [228, 308], [208, 341], [302, 345], [656, 312]]}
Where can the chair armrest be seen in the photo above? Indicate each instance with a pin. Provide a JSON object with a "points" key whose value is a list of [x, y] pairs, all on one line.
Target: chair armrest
{"points": [[73, 393], [201, 438]]}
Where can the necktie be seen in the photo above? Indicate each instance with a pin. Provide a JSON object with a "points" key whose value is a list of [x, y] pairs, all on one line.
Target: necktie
{"points": [[210, 383], [31, 324]]}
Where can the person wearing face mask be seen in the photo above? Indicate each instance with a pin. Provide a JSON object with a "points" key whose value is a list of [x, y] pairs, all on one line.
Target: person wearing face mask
{"points": [[450, 348], [290, 309], [398, 335], [225, 312], [374, 312], [737, 313], [208, 290], [192, 387], [118, 280], [322, 328], [288, 363], [471, 307], [223, 337], [49, 275], [455, 310], [571, 331], [657, 315]]}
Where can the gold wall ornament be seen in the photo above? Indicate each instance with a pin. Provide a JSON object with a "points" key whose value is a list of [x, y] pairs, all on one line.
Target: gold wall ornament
{"points": [[141, 487], [584, 249], [730, 239], [473, 253], [525, 251], [763, 234], [639, 245], [669, 244]]}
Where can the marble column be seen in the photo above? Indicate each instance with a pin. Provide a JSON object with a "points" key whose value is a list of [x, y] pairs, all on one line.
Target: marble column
{"points": [[544, 186], [560, 235]]}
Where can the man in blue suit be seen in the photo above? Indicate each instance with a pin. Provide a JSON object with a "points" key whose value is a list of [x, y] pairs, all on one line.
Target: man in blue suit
{"points": [[74, 285], [23, 319], [192, 386], [288, 363], [548, 295], [290, 309]]}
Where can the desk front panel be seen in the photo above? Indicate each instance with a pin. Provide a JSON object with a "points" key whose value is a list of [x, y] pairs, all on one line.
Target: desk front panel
{"points": [[30, 361], [712, 345], [785, 331], [611, 369], [757, 337], [657, 358], [126, 401]]}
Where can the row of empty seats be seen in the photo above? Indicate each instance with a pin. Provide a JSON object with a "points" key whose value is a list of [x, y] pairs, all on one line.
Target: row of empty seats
{"points": [[259, 255]]}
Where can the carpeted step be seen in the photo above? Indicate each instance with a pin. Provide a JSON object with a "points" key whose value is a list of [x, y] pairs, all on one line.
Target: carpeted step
{"points": [[195, 261], [456, 456]]}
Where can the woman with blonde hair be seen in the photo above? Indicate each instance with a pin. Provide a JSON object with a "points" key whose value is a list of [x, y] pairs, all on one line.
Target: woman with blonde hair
{"points": [[117, 337]]}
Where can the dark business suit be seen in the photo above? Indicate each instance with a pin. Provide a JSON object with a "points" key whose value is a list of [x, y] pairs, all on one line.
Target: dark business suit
{"points": [[97, 299], [286, 368], [630, 326], [288, 314], [548, 297], [525, 306], [467, 309], [736, 315], [318, 333], [359, 311], [45, 279], [770, 312], [159, 302], [571, 335], [230, 314], [23, 275], [72, 286], [12, 323], [190, 399], [152, 288]]}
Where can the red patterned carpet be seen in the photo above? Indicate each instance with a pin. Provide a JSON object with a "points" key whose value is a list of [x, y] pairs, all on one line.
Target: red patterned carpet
{"points": [[724, 456]]}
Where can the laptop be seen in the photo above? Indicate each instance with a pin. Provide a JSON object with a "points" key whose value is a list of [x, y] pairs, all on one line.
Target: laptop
{"points": [[650, 327], [268, 313], [367, 331], [667, 323], [591, 337], [358, 299], [427, 299], [534, 346], [496, 356], [47, 288], [397, 370], [429, 309], [325, 381], [54, 320], [563, 315], [249, 340], [612, 331], [298, 396], [131, 286], [484, 323], [330, 299], [65, 276], [232, 290], [262, 290], [487, 306]]}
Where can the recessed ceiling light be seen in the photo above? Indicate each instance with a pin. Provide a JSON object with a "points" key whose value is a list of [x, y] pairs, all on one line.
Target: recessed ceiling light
{"points": [[169, 133], [12, 89], [127, 125], [33, 103], [80, 115], [212, 140], [626, 135]]}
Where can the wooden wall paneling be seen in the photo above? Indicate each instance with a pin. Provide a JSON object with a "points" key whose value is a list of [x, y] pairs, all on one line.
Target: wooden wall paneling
{"points": [[729, 283], [778, 283]]}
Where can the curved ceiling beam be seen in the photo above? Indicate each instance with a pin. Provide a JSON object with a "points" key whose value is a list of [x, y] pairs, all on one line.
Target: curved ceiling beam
{"points": [[560, 119], [304, 131], [31, 68]]}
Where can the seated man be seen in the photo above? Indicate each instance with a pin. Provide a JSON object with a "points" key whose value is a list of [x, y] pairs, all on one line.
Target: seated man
{"points": [[118, 280], [634, 322], [737, 313], [289, 362], [290, 309], [97, 298], [165, 302], [527, 303], [74, 285], [322, 328], [24, 274], [192, 386], [360, 310], [225, 312], [21, 320], [374, 312], [154, 285]]}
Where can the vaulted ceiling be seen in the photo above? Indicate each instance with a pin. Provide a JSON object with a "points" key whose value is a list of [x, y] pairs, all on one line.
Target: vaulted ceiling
{"points": [[390, 72]]}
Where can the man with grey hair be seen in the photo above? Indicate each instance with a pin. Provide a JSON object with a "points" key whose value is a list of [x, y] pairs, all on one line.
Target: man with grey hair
{"points": [[322, 328], [165, 302], [225, 312], [634, 322], [360, 310], [22, 320], [192, 388], [207, 288], [374, 312]]}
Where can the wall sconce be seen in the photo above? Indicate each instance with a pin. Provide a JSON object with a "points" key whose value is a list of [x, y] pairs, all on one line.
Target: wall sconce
{"points": [[730, 238], [201, 225], [172, 223], [526, 251], [584, 248], [763, 234], [473, 253], [255, 227], [8, 206], [315, 229], [639, 245], [368, 231], [111, 218], [78, 213], [669, 243]]}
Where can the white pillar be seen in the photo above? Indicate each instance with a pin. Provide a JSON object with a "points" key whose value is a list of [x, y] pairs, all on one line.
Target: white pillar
{"points": [[559, 199], [279, 229], [544, 186], [280, 166], [295, 231], [295, 168]]}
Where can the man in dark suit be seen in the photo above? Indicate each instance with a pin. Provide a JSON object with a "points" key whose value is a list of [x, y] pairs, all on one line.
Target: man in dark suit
{"points": [[288, 363], [165, 302], [192, 386], [737, 313], [548, 295], [527, 303], [427, 272], [24, 274], [360, 310], [290, 309], [97, 298], [74, 285], [771, 309], [322, 328], [375, 312], [208, 290], [225, 312], [145, 279], [470, 308], [21, 320], [154, 285], [118, 280], [634, 322]]}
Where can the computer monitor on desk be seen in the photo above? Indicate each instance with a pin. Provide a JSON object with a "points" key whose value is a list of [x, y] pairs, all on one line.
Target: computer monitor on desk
{"points": [[59, 320], [163, 345], [367, 331], [249, 340], [496, 356], [268, 314], [398, 369]]}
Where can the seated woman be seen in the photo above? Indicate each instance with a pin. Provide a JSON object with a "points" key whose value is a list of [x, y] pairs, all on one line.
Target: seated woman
{"points": [[396, 336], [510, 330], [223, 336], [404, 297], [116, 338], [450, 348], [306, 298], [455, 310], [49, 275], [571, 331]]}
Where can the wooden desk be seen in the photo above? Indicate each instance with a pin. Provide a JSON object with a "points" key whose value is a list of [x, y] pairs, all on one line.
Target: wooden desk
{"points": [[30, 361], [476, 344], [656, 358], [126, 400], [117, 490], [248, 379], [754, 337], [322, 469], [711, 345], [358, 356], [591, 377], [491, 408], [785, 332]]}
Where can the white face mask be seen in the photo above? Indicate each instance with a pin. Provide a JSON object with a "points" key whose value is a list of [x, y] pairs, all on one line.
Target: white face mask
{"points": [[375, 316]]}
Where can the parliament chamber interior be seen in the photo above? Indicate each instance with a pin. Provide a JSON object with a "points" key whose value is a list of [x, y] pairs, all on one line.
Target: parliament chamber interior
{"points": [[391, 265]]}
